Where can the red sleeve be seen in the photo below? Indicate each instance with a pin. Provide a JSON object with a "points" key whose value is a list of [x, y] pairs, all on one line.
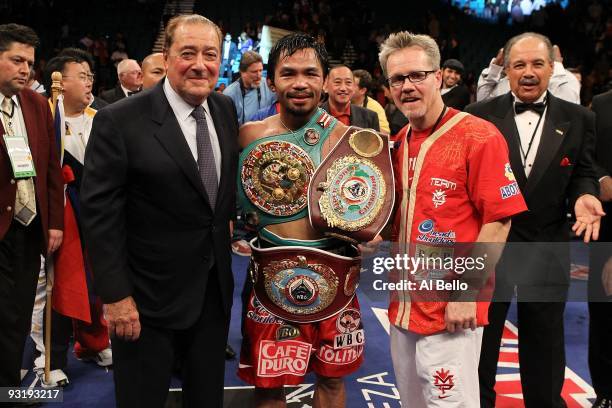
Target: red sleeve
{"points": [[491, 184]]}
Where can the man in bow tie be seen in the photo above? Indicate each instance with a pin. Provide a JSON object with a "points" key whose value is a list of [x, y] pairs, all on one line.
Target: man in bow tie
{"points": [[129, 74], [553, 165]]}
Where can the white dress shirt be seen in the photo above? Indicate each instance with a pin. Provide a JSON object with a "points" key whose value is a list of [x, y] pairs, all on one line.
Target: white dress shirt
{"points": [[125, 90], [526, 124], [182, 110]]}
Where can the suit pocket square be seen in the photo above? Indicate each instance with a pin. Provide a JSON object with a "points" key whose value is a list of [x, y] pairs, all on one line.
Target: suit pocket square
{"points": [[565, 162]]}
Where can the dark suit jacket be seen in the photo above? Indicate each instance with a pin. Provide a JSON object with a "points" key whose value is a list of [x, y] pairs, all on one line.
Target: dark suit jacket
{"points": [[149, 227], [602, 250], [360, 117], [602, 106], [550, 191], [458, 97], [113, 95], [98, 103], [49, 184]]}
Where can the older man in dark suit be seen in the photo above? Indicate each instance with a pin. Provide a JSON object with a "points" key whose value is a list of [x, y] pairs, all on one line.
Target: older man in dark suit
{"points": [[31, 194], [339, 85], [600, 264], [158, 195], [129, 74], [551, 145]]}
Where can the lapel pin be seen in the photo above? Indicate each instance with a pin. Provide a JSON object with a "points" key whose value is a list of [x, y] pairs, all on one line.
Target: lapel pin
{"points": [[559, 131]]}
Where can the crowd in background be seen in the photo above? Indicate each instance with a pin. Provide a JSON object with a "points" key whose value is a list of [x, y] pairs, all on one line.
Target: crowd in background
{"points": [[352, 34]]}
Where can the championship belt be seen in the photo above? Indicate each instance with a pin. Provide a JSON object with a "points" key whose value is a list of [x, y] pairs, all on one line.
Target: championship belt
{"points": [[351, 193], [275, 177], [302, 284]]}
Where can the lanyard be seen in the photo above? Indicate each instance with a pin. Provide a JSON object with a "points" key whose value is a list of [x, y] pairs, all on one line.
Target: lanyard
{"points": [[523, 153], [433, 129]]}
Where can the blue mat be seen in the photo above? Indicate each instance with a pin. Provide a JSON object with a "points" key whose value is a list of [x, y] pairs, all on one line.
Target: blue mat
{"points": [[373, 385]]}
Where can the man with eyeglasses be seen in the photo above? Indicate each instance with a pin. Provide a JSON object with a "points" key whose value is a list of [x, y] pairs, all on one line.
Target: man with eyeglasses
{"points": [[449, 168], [31, 194], [94, 101], [70, 310], [130, 81]]}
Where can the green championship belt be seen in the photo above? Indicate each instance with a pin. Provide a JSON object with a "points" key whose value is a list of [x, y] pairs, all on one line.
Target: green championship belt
{"points": [[275, 177], [351, 193]]}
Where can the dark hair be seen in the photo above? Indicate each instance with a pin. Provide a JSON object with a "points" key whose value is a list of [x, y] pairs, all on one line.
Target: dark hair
{"points": [[364, 78], [81, 55], [291, 43], [56, 64], [338, 66], [11, 33], [249, 58]]}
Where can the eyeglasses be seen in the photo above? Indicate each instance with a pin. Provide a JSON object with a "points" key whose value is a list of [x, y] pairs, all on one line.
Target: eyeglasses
{"points": [[414, 77], [83, 77]]}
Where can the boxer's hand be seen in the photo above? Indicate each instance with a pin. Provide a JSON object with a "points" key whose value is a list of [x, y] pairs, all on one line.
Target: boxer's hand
{"points": [[460, 315], [370, 248], [123, 320]]}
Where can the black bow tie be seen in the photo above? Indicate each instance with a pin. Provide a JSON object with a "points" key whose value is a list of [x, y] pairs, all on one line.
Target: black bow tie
{"points": [[520, 107], [130, 93]]}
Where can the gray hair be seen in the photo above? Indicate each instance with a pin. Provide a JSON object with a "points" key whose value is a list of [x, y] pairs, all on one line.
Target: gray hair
{"points": [[511, 42], [406, 39], [176, 21], [124, 64]]}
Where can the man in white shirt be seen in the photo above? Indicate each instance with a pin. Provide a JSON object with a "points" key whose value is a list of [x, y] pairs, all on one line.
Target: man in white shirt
{"points": [[158, 194], [551, 144]]}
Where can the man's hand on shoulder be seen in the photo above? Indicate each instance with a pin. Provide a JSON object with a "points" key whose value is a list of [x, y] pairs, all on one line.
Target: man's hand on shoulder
{"points": [[123, 319]]}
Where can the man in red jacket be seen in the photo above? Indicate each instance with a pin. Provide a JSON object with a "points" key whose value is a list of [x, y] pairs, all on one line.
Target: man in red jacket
{"points": [[31, 194]]}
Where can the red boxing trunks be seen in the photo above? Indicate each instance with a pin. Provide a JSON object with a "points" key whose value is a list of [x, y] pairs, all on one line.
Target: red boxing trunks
{"points": [[276, 353]]}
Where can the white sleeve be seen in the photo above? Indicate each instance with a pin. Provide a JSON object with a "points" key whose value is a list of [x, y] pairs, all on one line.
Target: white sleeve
{"points": [[489, 81], [564, 85]]}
